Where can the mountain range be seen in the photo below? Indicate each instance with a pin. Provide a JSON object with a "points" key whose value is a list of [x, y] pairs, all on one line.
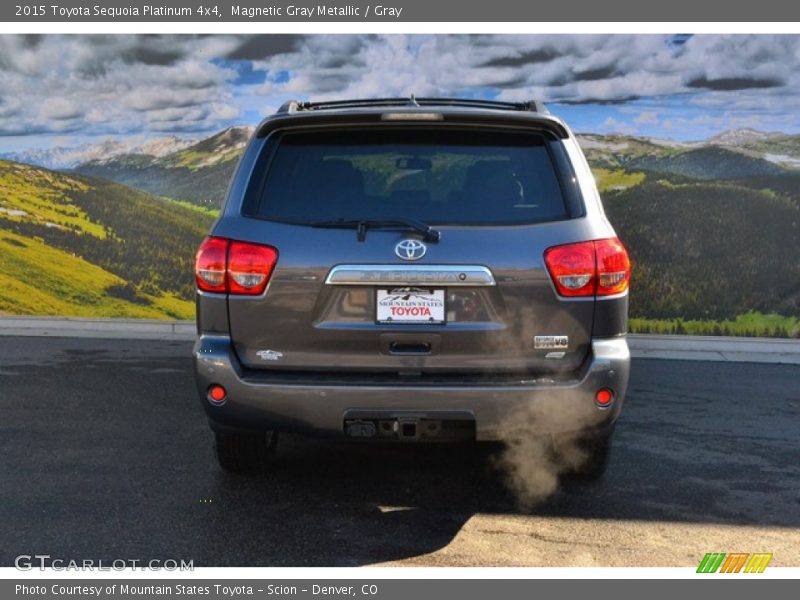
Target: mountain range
{"points": [[62, 158], [729, 155], [109, 149], [198, 172]]}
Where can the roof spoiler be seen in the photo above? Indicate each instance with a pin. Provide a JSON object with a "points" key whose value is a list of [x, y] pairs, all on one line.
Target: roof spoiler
{"points": [[295, 106]]}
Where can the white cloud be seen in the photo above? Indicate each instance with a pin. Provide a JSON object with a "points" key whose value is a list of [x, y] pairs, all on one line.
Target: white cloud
{"points": [[60, 109], [648, 117], [611, 125], [566, 68], [113, 84], [133, 84]]}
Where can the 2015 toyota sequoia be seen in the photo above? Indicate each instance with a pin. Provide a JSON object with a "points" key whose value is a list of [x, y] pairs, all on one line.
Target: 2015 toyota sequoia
{"points": [[411, 270]]}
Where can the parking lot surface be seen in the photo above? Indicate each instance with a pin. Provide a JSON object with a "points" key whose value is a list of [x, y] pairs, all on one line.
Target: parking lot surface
{"points": [[106, 455]]}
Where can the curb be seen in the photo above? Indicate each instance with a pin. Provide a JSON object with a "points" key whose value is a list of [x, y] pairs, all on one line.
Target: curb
{"points": [[720, 349], [123, 329], [670, 347]]}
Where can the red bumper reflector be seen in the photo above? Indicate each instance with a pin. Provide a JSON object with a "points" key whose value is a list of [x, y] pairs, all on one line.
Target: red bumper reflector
{"points": [[217, 393], [604, 396]]}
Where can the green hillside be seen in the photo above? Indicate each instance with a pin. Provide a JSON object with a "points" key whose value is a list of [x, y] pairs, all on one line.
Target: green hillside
{"points": [[709, 250], [38, 279], [609, 180], [77, 246], [709, 163], [699, 160], [782, 145], [615, 151], [787, 185], [712, 230], [204, 186]]}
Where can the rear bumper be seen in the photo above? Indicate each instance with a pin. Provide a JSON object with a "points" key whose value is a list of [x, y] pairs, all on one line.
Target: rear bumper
{"points": [[498, 410]]}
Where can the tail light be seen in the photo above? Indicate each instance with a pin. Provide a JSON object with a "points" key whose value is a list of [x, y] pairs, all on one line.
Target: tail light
{"points": [[613, 267], [572, 268], [595, 268], [210, 264], [239, 268], [250, 267]]}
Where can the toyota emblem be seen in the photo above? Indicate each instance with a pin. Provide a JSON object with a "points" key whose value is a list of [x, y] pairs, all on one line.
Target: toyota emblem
{"points": [[410, 249]]}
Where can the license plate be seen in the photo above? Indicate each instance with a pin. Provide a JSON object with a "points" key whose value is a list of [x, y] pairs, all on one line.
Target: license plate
{"points": [[410, 305]]}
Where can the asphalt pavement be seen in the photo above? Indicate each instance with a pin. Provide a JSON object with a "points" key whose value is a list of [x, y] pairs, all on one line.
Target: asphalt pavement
{"points": [[106, 455]]}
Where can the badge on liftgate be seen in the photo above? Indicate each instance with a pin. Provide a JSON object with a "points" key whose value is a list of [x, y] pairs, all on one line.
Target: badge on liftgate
{"points": [[551, 342]]}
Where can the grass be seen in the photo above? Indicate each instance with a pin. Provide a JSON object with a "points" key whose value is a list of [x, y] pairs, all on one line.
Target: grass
{"points": [[609, 180], [37, 279], [44, 196], [751, 324], [191, 159], [195, 159], [203, 210]]}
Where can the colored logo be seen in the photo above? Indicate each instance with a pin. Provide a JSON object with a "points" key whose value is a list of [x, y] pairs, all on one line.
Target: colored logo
{"points": [[737, 562]]}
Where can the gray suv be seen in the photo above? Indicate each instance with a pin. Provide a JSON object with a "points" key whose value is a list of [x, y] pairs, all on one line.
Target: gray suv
{"points": [[412, 270]]}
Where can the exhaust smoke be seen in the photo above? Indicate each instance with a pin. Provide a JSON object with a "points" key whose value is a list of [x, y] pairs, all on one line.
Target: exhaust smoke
{"points": [[533, 461]]}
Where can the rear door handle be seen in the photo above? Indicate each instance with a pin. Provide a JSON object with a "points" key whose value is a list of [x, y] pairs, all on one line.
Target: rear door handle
{"points": [[409, 348], [410, 344]]}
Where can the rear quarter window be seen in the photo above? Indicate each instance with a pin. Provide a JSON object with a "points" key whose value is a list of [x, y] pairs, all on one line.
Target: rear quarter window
{"points": [[470, 177]]}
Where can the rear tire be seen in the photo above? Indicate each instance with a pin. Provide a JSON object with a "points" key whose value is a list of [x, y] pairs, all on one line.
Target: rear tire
{"points": [[245, 453], [596, 464]]}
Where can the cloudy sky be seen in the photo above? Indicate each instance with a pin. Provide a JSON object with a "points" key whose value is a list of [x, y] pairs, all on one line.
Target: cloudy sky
{"points": [[65, 90]]}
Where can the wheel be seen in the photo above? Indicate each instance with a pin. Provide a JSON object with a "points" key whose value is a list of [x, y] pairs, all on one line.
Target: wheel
{"points": [[595, 451], [245, 453]]}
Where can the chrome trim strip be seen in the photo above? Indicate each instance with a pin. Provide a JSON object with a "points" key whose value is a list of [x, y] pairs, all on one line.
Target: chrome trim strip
{"points": [[442, 275]]}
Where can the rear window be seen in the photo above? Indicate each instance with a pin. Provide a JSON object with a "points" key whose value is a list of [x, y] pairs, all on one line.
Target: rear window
{"points": [[435, 176]]}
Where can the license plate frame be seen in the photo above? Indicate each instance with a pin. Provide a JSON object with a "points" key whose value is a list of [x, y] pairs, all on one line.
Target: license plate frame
{"points": [[410, 306]]}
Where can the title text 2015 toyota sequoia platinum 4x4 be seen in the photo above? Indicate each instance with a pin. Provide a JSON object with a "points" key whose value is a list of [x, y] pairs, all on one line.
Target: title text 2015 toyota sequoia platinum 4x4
{"points": [[412, 269]]}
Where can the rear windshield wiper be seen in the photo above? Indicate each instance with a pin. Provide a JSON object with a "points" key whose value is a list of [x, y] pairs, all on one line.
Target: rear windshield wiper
{"points": [[361, 225]]}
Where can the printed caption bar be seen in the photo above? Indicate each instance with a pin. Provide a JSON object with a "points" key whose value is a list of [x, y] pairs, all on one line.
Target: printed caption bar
{"points": [[377, 589], [465, 11]]}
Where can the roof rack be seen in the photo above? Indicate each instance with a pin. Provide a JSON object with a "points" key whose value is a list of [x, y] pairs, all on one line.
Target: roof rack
{"points": [[529, 106]]}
